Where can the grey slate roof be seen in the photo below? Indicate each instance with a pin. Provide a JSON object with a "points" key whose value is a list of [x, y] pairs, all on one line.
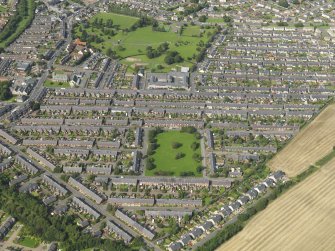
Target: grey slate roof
{"points": [[196, 232], [54, 184], [119, 231], [85, 207], [83, 189], [142, 230]]}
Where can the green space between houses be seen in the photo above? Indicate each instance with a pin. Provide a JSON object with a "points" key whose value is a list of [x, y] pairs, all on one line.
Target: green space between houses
{"points": [[130, 45], [51, 84], [215, 20], [18, 22], [165, 155], [29, 242], [3, 8]]}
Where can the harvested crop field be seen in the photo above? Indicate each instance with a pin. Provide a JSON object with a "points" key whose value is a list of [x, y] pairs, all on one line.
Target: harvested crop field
{"points": [[311, 144], [301, 219]]}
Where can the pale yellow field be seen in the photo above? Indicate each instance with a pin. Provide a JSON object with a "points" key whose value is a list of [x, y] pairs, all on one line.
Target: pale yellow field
{"points": [[311, 144], [301, 219]]}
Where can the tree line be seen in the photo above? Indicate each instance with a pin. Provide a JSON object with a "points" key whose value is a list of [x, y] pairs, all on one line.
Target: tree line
{"points": [[36, 217], [5, 92], [16, 21]]}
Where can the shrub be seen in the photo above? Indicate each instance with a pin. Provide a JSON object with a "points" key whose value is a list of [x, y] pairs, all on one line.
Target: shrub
{"points": [[176, 145], [180, 155]]}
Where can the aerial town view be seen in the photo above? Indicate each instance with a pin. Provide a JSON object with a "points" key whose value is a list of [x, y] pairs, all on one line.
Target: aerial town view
{"points": [[167, 125]]}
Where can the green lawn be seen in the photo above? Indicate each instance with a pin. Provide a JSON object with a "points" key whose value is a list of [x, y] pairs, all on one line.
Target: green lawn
{"points": [[49, 83], [3, 8], [122, 21], [29, 242], [131, 46], [165, 154], [191, 31], [215, 20]]}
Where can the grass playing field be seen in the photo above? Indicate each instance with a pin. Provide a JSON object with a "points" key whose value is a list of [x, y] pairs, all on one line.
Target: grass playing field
{"points": [[165, 154], [131, 46]]}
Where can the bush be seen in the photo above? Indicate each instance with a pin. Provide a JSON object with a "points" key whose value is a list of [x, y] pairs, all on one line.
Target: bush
{"points": [[176, 145], [261, 204], [195, 146], [197, 157], [5, 92], [186, 174], [151, 164], [202, 18], [189, 129], [221, 237], [283, 3], [163, 173], [199, 169], [173, 57], [243, 217], [180, 155]]}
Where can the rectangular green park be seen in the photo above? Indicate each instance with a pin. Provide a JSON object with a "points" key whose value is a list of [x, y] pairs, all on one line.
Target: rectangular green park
{"points": [[176, 154]]}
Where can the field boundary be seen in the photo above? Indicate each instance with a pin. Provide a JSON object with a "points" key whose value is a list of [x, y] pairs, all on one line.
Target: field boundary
{"points": [[231, 229]]}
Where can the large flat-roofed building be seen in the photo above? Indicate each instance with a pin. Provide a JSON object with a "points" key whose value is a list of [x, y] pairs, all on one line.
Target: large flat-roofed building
{"points": [[171, 80]]}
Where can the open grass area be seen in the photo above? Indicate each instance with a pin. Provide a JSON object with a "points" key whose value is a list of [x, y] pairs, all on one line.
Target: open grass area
{"points": [[3, 8], [130, 45], [214, 20], [121, 21], [51, 84], [29, 242], [165, 155]]}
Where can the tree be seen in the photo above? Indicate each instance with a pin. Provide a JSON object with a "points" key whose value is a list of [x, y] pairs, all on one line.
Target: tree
{"points": [[5, 92], [199, 169], [151, 164], [203, 18], [195, 146], [91, 177], [197, 157], [176, 145], [180, 155], [281, 23], [299, 25], [283, 3], [173, 57], [189, 129], [261, 204], [35, 106], [227, 19]]}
